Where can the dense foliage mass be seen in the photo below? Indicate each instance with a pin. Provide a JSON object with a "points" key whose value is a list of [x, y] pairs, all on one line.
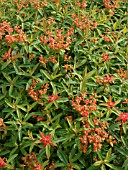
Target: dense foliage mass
{"points": [[64, 84]]}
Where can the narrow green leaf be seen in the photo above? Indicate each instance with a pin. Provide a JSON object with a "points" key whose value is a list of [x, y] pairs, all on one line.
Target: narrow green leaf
{"points": [[20, 133], [38, 48], [48, 151], [34, 68], [4, 65], [62, 100], [76, 157], [9, 103], [31, 147], [12, 157], [54, 77], [75, 166], [124, 142], [103, 167], [59, 164], [113, 167], [108, 154], [90, 122], [21, 107], [46, 74], [120, 150], [44, 164], [63, 157], [8, 78], [86, 76]]}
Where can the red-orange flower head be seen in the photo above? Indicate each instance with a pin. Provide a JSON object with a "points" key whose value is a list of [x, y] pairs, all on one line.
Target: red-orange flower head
{"points": [[110, 103], [46, 140], [7, 55], [52, 98], [105, 57], [2, 163], [123, 116], [38, 167]]}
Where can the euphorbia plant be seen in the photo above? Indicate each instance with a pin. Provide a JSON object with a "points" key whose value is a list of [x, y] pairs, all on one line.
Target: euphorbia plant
{"points": [[63, 84]]}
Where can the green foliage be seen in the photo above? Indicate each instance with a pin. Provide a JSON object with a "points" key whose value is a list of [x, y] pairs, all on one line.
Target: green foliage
{"points": [[63, 84]]}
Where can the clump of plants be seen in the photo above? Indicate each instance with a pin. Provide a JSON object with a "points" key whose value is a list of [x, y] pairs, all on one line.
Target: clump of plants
{"points": [[64, 84]]}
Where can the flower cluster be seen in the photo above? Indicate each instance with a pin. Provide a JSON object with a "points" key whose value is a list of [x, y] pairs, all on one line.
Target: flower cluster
{"points": [[94, 135], [58, 41], [122, 73], [38, 118], [108, 5], [68, 67], [108, 79], [45, 139], [1, 121], [38, 4], [110, 104], [37, 94], [2, 163], [84, 106], [7, 55], [30, 160], [105, 57], [82, 4], [105, 38], [53, 98], [33, 93], [5, 28], [19, 37], [123, 116], [83, 22], [69, 118], [44, 60]]}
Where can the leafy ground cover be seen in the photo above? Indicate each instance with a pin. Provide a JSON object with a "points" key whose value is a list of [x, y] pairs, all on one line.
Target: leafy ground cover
{"points": [[64, 84]]}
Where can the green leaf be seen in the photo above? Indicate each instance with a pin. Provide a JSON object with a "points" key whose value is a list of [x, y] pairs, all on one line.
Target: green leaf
{"points": [[20, 133], [48, 106], [10, 90], [86, 76], [59, 164], [120, 150], [108, 154], [9, 103], [125, 164], [55, 69], [100, 156], [48, 151], [31, 147], [92, 168], [21, 107], [63, 157], [30, 107], [44, 164], [12, 157], [98, 163], [34, 68], [4, 65], [62, 100], [8, 78], [91, 122], [55, 76], [38, 48], [29, 16], [103, 167], [76, 157], [75, 166], [124, 142], [46, 74], [113, 167]]}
